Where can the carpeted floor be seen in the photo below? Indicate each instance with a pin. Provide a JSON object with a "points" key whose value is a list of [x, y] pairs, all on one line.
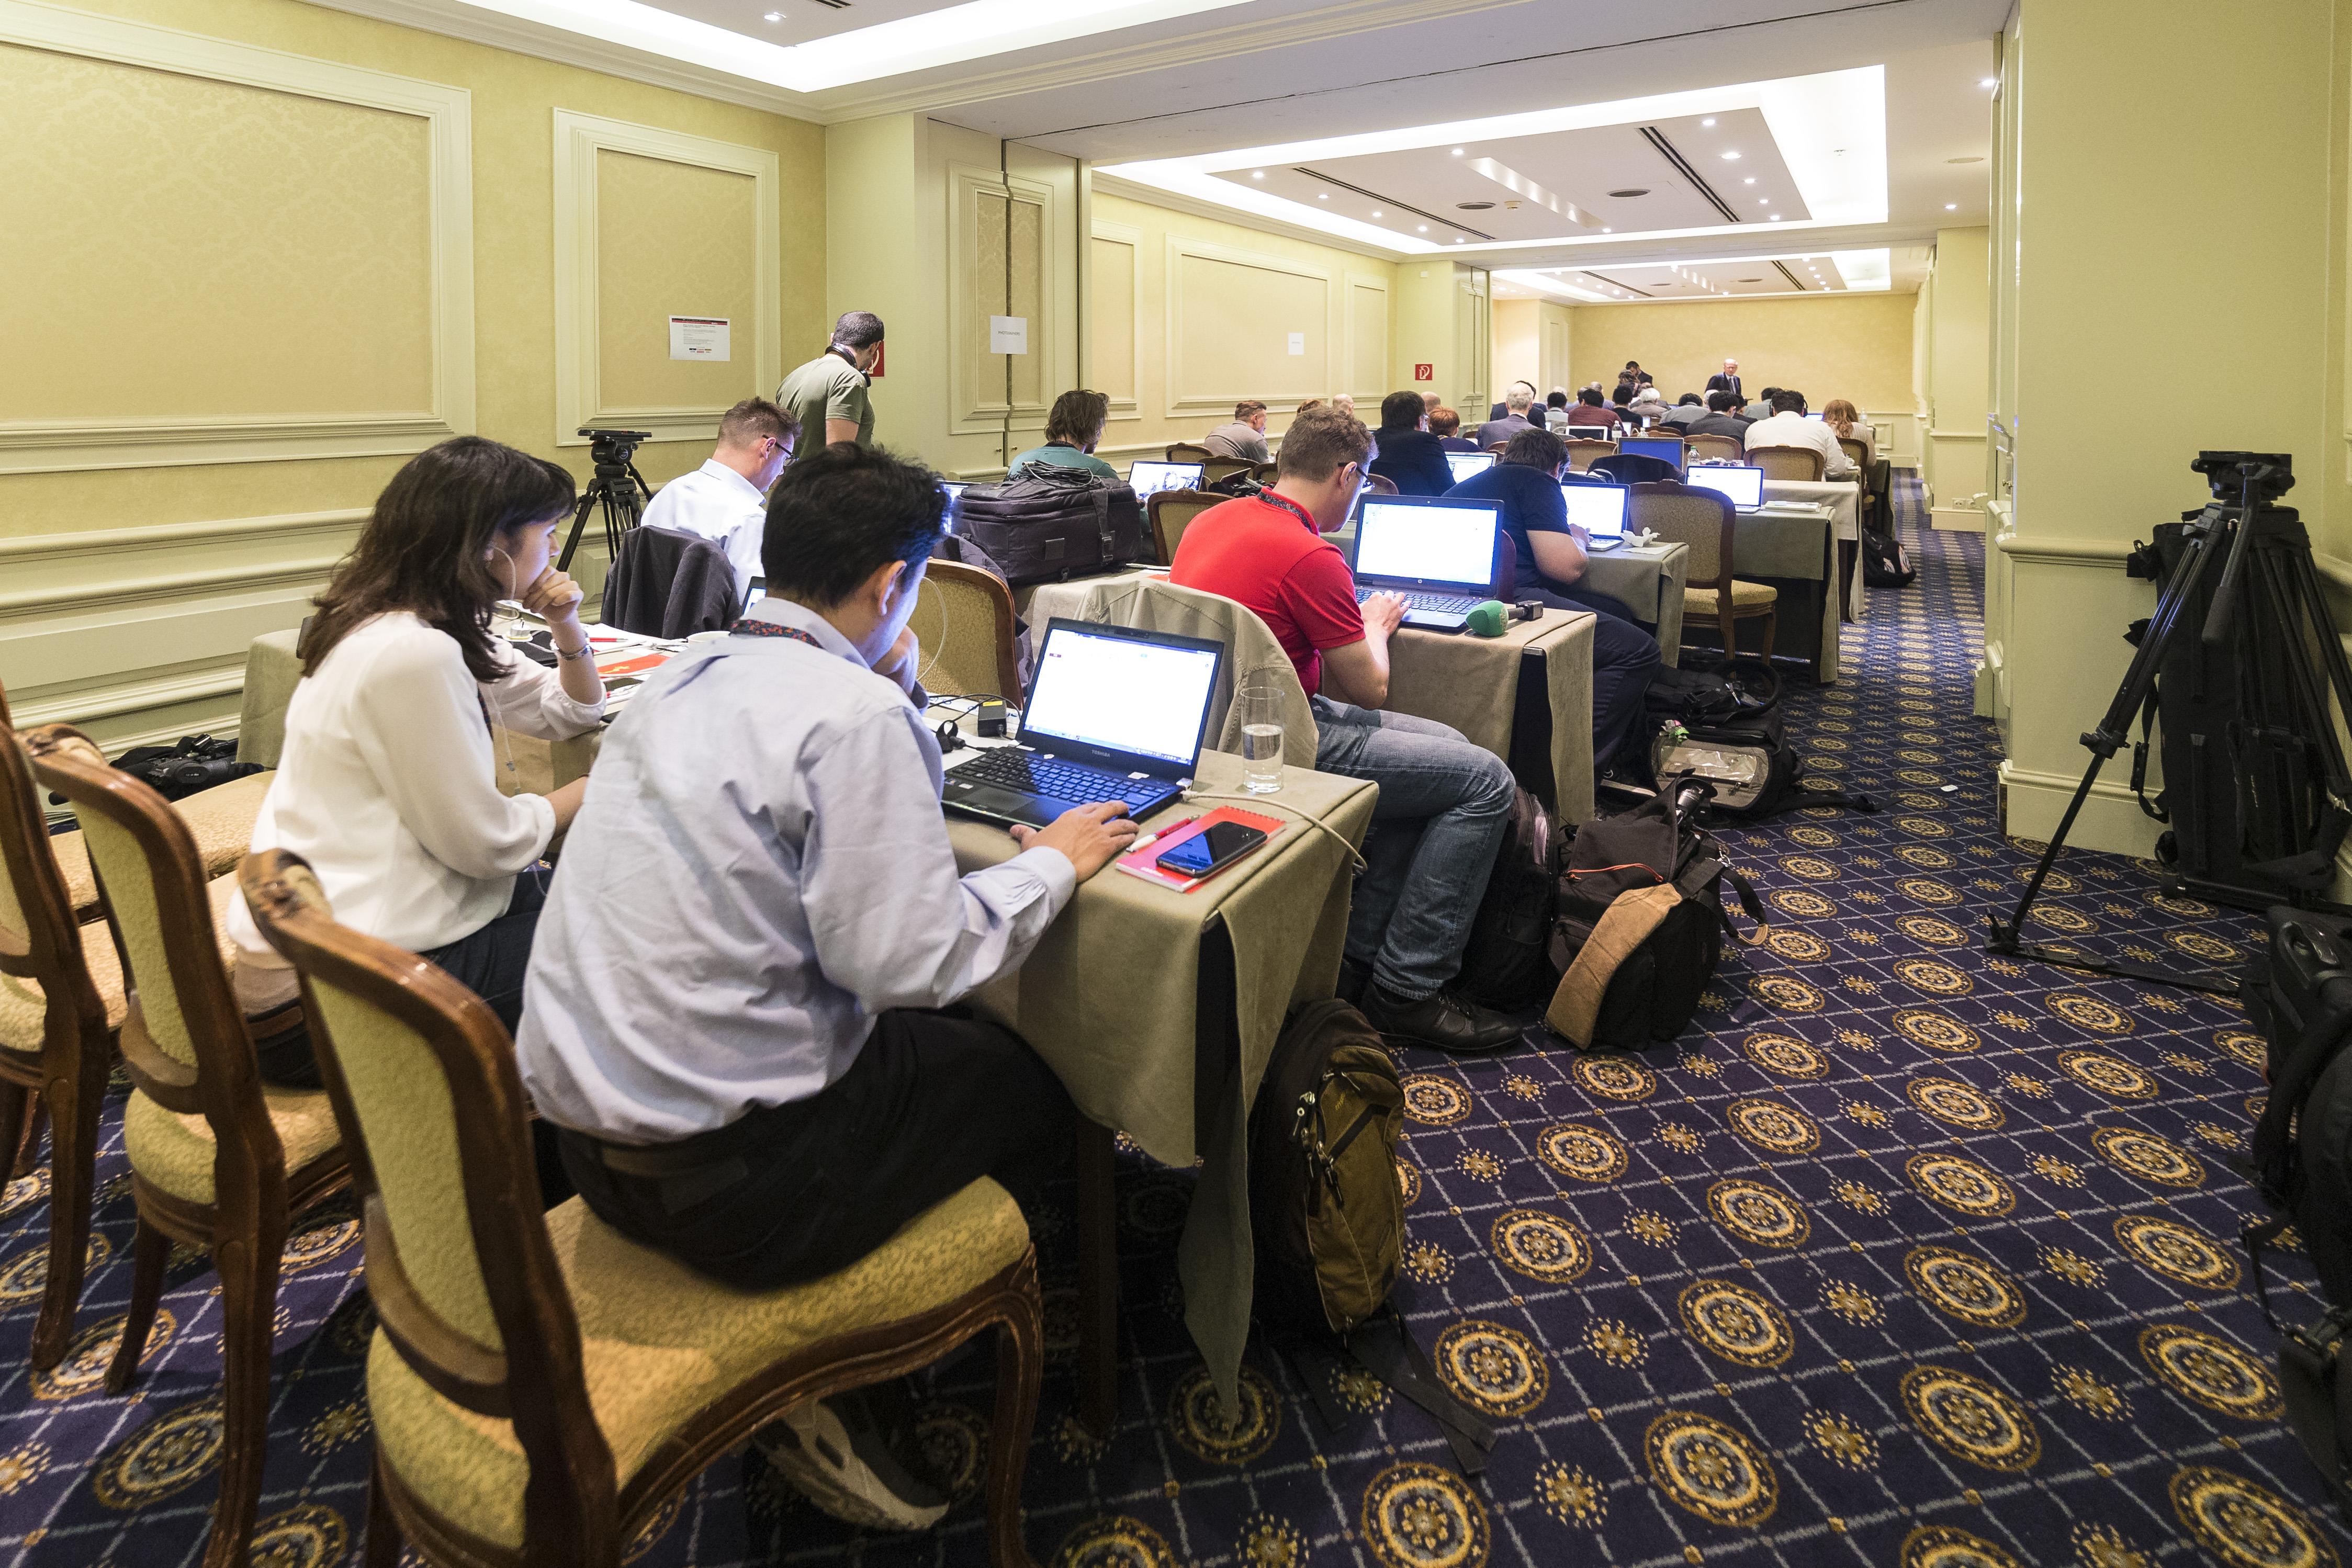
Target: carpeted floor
{"points": [[1905, 1255]]}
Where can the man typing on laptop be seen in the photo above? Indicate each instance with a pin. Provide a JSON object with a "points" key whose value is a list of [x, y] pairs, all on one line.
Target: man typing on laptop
{"points": [[733, 1006], [1442, 800]]}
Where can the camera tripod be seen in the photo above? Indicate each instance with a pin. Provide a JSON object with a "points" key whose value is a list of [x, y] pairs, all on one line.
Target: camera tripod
{"points": [[617, 490], [2277, 780]]}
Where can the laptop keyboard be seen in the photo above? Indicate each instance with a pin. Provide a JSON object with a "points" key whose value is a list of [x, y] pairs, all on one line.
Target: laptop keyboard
{"points": [[1448, 603], [1037, 775]]}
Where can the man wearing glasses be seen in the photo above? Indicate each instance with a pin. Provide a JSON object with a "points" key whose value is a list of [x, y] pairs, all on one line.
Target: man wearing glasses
{"points": [[725, 499]]}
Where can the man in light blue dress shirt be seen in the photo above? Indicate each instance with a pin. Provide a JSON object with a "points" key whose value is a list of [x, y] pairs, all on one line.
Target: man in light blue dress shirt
{"points": [[725, 500], [733, 1010]]}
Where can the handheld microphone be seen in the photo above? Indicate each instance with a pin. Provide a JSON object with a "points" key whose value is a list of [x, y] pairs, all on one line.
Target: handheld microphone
{"points": [[1486, 619]]}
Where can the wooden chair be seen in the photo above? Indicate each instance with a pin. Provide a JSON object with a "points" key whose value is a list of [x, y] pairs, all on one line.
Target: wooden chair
{"points": [[541, 1387], [1855, 453], [1714, 449], [1704, 522], [218, 1160], [1172, 511], [1217, 469], [1498, 447], [1800, 463], [56, 1037], [1190, 452], [1379, 484], [963, 619], [1267, 473], [1583, 449]]}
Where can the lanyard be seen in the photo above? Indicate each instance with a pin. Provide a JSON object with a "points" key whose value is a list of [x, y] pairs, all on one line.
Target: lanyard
{"points": [[774, 629], [1293, 507]]}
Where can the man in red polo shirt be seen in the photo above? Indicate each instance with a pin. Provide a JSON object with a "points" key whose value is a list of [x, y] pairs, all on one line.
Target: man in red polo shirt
{"points": [[1443, 801]]}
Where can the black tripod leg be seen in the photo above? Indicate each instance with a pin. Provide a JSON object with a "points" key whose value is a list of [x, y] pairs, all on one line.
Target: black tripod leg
{"points": [[579, 521]]}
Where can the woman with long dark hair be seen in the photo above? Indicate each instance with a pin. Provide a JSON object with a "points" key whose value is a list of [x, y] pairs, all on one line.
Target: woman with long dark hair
{"points": [[395, 741]]}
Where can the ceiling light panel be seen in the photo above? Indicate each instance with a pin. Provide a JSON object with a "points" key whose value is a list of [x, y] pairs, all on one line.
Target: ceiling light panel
{"points": [[1844, 271], [1821, 137]]}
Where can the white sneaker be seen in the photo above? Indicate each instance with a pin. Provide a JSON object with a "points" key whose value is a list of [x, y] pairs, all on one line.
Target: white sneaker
{"points": [[832, 1452]]}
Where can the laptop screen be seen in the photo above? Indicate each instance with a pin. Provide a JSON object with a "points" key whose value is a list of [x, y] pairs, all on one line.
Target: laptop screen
{"points": [[1812, 416], [1465, 463], [1442, 543], [1129, 693], [954, 493], [1663, 451], [1147, 477], [1598, 509], [756, 591], [1744, 485]]}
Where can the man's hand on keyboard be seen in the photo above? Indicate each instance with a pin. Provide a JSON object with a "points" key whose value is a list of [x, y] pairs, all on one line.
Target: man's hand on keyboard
{"points": [[1091, 836], [1384, 613]]}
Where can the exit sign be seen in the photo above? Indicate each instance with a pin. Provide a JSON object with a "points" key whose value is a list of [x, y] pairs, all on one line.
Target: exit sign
{"points": [[1424, 373]]}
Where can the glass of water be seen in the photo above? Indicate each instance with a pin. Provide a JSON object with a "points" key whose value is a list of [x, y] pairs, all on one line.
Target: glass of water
{"points": [[1259, 698]]}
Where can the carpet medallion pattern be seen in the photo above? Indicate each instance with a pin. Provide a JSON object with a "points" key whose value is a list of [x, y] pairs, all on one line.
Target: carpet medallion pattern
{"points": [[1906, 1255]]}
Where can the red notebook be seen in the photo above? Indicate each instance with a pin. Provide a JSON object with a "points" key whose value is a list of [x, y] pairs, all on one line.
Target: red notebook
{"points": [[1142, 863], [637, 665]]}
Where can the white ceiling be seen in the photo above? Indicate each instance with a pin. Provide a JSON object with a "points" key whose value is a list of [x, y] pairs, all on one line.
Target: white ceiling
{"points": [[1117, 81]]}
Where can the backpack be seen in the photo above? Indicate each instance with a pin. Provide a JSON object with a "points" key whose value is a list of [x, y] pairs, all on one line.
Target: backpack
{"points": [[1328, 1217], [1508, 961], [1884, 563], [1049, 523], [1640, 921], [2301, 997]]}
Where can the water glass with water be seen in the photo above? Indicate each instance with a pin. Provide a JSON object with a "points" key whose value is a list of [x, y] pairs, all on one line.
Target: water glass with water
{"points": [[1259, 698]]}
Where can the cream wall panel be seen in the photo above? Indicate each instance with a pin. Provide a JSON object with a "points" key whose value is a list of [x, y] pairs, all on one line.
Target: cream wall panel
{"points": [[1367, 370], [1116, 326], [654, 265], [1518, 342], [675, 239], [1001, 263], [1231, 313], [234, 211]]}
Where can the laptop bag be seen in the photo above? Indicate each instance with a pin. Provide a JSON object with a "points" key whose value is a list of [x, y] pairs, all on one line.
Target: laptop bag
{"points": [[1508, 961], [1050, 523]]}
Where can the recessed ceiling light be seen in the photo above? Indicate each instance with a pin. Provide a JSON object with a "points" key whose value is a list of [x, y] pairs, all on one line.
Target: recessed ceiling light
{"points": [[1763, 200], [1706, 122], [1750, 181], [1376, 211], [1608, 231], [1424, 228], [1257, 173], [775, 15], [1990, 81], [1776, 217], [1730, 157], [1457, 153], [1951, 206], [1322, 195]]}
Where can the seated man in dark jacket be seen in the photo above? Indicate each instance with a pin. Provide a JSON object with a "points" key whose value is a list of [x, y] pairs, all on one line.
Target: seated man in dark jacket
{"points": [[1411, 458], [1526, 479]]}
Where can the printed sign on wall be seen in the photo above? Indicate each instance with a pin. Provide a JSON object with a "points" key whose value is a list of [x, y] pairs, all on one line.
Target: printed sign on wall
{"points": [[697, 337], [1424, 373]]}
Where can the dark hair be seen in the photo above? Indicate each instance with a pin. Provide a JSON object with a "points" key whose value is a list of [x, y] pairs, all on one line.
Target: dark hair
{"points": [[1534, 448], [1077, 415], [1722, 402], [1788, 400], [755, 419], [1632, 364], [1770, 392], [1243, 410], [1320, 442], [1555, 399], [857, 329], [1401, 411], [423, 549], [840, 514], [1624, 394], [1443, 421], [1590, 397], [1689, 400]]}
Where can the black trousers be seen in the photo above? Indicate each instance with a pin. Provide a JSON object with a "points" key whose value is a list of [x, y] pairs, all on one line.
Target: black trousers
{"points": [[790, 1193], [1624, 659]]}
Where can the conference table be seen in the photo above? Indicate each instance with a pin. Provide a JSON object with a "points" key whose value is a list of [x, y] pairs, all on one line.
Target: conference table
{"points": [[1157, 1010], [1527, 695]]}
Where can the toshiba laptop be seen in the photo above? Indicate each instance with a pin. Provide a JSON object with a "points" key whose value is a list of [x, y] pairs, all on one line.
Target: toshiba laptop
{"points": [[1465, 463], [1744, 485], [1114, 715], [1599, 510], [1663, 451], [1435, 552], [1146, 477]]}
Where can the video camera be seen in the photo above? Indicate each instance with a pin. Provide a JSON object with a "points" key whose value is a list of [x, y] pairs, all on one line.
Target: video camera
{"points": [[614, 448]]}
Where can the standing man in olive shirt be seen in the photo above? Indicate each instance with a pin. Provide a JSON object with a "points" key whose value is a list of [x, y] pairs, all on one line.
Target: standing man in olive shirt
{"points": [[828, 394]]}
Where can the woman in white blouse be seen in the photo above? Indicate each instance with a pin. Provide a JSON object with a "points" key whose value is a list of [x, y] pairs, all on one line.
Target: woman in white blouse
{"points": [[389, 781]]}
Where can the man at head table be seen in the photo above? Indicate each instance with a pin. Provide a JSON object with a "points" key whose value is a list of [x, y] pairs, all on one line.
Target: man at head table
{"points": [[1728, 380], [734, 1009]]}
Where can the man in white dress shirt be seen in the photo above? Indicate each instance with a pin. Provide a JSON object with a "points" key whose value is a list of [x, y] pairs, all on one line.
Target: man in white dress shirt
{"points": [[740, 1007], [725, 500], [1787, 426]]}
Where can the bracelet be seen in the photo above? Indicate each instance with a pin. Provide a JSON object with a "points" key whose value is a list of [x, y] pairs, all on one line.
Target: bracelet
{"points": [[581, 652]]}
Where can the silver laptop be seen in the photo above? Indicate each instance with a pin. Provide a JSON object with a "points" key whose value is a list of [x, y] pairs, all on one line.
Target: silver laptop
{"points": [[1435, 552], [1744, 485], [1147, 477], [1598, 509], [1465, 463]]}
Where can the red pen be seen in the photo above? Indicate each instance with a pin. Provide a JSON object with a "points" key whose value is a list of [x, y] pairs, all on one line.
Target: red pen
{"points": [[1148, 840]]}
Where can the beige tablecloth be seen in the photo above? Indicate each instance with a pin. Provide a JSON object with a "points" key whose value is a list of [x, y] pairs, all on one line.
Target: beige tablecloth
{"points": [[1793, 546], [270, 672], [1473, 683], [1648, 580], [1842, 497]]}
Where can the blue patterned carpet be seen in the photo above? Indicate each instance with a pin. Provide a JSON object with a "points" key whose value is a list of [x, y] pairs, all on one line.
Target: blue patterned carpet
{"points": [[1904, 1256]]}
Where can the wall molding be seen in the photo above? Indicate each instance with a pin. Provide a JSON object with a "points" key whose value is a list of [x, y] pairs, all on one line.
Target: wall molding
{"points": [[2052, 551], [44, 446], [1182, 402], [977, 409], [580, 139], [1128, 235], [1355, 377]]}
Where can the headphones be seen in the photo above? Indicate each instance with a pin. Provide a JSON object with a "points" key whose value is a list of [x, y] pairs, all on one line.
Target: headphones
{"points": [[951, 737]]}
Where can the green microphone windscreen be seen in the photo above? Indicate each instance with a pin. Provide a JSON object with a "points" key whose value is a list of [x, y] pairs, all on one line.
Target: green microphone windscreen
{"points": [[1487, 619]]}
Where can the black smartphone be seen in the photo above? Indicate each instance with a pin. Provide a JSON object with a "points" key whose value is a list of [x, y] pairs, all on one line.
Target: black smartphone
{"points": [[1220, 845]]}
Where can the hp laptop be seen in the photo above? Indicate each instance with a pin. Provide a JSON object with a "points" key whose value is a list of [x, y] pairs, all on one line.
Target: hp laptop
{"points": [[1465, 463], [1663, 451], [1439, 553], [1744, 485], [1146, 477], [753, 592], [1114, 715], [1599, 510]]}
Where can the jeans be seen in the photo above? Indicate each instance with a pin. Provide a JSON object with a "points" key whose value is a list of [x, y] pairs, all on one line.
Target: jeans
{"points": [[789, 1193], [1625, 660], [1444, 803]]}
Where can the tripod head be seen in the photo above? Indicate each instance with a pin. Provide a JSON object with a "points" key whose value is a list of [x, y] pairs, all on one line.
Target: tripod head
{"points": [[2248, 478], [612, 451]]}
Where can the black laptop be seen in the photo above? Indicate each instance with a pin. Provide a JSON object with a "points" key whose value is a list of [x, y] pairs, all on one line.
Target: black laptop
{"points": [[1114, 713], [1440, 554]]}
